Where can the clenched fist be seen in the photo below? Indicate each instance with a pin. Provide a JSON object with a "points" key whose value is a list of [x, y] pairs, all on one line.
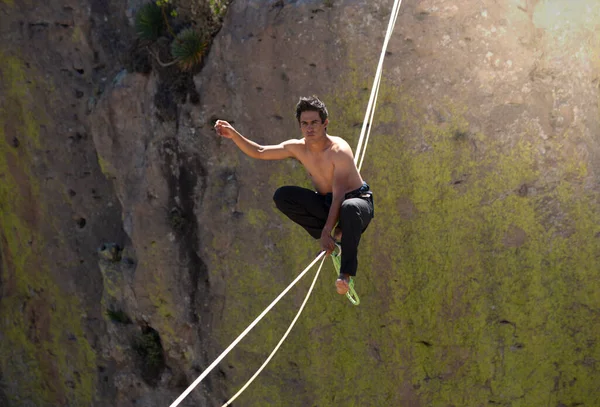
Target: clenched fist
{"points": [[224, 129]]}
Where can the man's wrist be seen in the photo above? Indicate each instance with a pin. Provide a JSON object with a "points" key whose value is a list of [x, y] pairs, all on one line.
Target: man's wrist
{"points": [[326, 231]]}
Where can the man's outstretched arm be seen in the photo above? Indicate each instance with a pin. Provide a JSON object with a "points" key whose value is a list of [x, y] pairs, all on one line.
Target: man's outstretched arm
{"points": [[252, 149]]}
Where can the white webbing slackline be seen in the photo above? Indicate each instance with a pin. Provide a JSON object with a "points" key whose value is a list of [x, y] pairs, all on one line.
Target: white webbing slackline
{"points": [[260, 369], [359, 154], [359, 157], [241, 336]]}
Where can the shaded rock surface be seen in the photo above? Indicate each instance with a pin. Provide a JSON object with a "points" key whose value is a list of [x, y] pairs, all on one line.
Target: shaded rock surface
{"points": [[136, 244], [75, 329]]}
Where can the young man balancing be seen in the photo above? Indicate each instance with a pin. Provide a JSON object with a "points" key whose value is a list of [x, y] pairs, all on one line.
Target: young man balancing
{"points": [[341, 194]]}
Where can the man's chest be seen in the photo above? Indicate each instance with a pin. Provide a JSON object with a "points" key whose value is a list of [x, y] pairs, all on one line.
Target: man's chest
{"points": [[318, 166]]}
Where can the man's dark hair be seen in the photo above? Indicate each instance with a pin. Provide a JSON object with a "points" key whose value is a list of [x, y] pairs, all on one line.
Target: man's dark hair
{"points": [[311, 104]]}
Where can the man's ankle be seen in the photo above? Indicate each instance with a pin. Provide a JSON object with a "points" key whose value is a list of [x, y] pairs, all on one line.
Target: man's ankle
{"points": [[337, 234]]}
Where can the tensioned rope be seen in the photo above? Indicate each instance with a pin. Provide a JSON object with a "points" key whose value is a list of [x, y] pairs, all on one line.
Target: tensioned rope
{"points": [[368, 121], [359, 157], [241, 336], [260, 369]]}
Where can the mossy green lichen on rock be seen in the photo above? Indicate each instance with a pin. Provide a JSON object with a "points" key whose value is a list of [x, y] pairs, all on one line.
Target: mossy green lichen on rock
{"points": [[462, 270], [45, 357], [472, 289], [106, 167]]}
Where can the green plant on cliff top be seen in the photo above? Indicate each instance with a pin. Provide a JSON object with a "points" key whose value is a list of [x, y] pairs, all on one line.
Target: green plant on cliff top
{"points": [[153, 18], [218, 7], [167, 5], [149, 22], [188, 48]]}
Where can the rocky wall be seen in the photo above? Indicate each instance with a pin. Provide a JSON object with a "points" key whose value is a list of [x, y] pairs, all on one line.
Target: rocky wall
{"points": [[478, 276], [136, 244]]}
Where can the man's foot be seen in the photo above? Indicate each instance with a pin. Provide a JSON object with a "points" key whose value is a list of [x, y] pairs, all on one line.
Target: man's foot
{"points": [[337, 234], [342, 284]]}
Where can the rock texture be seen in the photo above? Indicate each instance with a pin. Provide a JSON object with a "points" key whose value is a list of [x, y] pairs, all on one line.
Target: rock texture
{"points": [[73, 330], [56, 207], [136, 245]]}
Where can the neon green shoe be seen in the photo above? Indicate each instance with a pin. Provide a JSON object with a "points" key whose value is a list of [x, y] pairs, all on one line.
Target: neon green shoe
{"points": [[351, 294]]}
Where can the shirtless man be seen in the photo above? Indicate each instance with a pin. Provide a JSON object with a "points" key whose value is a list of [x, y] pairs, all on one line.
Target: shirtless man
{"points": [[341, 194]]}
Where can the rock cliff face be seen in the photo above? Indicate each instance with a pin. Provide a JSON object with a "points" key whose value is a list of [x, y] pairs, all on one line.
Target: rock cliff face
{"points": [[136, 245], [56, 207]]}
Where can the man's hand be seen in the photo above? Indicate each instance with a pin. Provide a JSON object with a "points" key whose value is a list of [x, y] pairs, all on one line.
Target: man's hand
{"points": [[224, 129], [327, 242]]}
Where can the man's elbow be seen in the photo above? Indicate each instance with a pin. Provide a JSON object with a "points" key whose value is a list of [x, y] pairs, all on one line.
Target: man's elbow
{"points": [[260, 153]]}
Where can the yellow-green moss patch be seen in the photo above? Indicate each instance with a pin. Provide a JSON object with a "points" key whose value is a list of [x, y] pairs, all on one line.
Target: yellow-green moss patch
{"points": [[477, 276], [45, 357]]}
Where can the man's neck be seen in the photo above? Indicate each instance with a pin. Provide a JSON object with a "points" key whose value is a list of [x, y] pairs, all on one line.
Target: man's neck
{"points": [[318, 145]]}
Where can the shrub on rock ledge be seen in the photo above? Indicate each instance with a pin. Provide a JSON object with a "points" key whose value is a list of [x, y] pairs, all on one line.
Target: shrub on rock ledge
{"points": [[188, 48], [149, 22]]}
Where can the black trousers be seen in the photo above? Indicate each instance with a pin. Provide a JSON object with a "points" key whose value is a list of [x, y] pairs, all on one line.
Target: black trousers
{"points": [[310, 210]]}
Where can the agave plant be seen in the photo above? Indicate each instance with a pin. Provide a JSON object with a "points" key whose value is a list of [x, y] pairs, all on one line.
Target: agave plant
{"points": [[149, 21], [188, 48]]}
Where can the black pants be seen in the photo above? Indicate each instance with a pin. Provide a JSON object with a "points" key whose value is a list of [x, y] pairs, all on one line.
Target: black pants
{"points": [[310, 209]]}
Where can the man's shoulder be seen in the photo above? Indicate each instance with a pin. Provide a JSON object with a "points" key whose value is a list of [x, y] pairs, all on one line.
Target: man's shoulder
{"points": [[294, 142], [340, 146], [338, 141]]}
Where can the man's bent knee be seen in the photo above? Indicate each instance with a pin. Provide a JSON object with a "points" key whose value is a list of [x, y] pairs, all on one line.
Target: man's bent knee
{"points": [[280, 194], [349, 209]]}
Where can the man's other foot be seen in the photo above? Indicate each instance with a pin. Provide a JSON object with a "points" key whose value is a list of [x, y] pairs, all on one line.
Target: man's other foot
{"points": [[342, 284]]}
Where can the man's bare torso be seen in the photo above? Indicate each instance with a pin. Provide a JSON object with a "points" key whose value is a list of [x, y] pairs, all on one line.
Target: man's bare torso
{"points": [[320, 165]]}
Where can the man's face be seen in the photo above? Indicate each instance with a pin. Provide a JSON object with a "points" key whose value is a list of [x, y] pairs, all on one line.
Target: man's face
{"points": [[311, 126]]}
